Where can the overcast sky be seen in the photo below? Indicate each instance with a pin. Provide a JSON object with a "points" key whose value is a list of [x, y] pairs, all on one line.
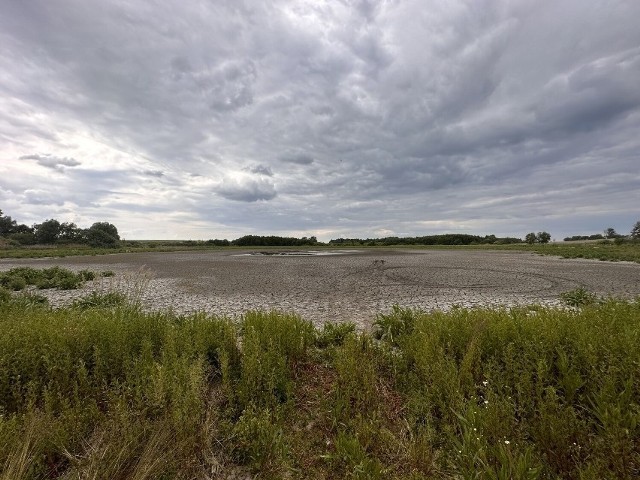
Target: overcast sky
{"points": [[216, 119]]}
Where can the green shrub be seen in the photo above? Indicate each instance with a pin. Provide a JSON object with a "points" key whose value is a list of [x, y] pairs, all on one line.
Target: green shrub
{"points": [[87, 275], [484, 393], [352, 460], [390, 326], [272, 343], [100, 300], [334, 334], [578, 297], [5, 295], [14, 282], [258, 441], [107, 273]]}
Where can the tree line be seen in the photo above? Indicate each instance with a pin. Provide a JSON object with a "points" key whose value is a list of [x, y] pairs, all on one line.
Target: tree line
{"points": [[608, 234], [50, 232], [444, 239]]}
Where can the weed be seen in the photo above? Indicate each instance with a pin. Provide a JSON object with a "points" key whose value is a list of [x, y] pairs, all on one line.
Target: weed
{"points": [[258, 441], [93, 392], [578, 297], [5, 295], [334, 334], [390, 326], [100, 300]]}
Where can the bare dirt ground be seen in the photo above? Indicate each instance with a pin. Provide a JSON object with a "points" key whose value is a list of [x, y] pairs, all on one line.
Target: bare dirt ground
{"points": [[355, 285]]}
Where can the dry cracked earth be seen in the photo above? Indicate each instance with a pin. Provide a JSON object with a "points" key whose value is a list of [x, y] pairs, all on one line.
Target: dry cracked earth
{"points": [[349, 285]]}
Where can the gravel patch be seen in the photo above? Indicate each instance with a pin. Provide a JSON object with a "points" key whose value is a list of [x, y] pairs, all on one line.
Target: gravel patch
{"points": [[353, 286]]}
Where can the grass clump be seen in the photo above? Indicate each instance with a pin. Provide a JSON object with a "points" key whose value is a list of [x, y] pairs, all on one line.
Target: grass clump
{"points": [[103, 389], [100, 300]]}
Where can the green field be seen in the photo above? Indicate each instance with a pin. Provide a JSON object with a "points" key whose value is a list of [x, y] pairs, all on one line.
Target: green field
{"points": [[104, 390]]}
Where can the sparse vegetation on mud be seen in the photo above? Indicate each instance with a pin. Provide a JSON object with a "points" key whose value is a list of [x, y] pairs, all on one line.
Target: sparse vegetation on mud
{"points": [[102, 389], [55, 277]]}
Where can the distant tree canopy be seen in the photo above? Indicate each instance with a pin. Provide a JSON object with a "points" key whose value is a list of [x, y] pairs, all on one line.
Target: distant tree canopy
{"points": [[272, 241], [576, 238], [530, 238], [543, 237], [49, 232], [445, 239]]}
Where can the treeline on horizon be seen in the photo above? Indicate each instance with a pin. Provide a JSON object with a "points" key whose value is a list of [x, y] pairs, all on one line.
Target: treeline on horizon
{"points": [[52, 232], [444, 239], [105, 235]]}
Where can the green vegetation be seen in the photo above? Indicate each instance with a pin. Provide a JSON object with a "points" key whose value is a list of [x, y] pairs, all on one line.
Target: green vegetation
{"points": [[52, 232], [578, 297], [102, 389], [446, 239], [40, 251], [610, 251], [579, 238], [540, 237], [55, 277]]}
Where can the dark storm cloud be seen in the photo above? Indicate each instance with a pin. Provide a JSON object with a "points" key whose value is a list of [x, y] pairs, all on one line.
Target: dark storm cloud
{"points": [[332, 117]]}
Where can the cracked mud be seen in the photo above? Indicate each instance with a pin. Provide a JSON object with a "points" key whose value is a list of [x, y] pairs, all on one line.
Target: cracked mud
{"points": [[354, 285]]}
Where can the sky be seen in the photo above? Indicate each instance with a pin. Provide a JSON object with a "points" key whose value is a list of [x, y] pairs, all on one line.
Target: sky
{"points": [[217, 119]]}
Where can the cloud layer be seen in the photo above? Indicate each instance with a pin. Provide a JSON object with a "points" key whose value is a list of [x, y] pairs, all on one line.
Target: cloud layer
{"points": [[349, 118]]}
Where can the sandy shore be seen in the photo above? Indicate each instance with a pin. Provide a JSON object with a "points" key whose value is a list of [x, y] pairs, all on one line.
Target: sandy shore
{"points": [[355, 285]]}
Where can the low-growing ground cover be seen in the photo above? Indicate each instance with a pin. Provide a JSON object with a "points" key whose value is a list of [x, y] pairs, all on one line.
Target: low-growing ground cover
{"points": [[19, 278], [42, 251], [105, 390], [608, 251]]}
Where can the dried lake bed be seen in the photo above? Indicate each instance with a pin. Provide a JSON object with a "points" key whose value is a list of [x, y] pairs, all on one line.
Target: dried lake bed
{"points": [[344, 285]]}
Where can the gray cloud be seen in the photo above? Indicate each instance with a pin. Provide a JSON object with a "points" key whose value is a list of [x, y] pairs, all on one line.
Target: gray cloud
{"points": [[246, 188], [51, 161], [261, 170], [340, 118], [299, 159], [153, 173]]}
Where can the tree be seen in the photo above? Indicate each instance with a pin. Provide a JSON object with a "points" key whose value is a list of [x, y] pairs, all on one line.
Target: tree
{"points": [[7, 224], [102, 234], [543, 237], [48, 231], [69, 232], [610, 233], [635, 231], [530, 238]]}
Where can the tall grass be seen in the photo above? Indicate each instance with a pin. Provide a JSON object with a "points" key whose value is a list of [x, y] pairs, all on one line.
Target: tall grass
{"points": [[103, 389]]}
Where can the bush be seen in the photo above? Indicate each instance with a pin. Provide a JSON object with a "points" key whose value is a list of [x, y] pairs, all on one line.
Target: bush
{"points": [[87, 275], [15, 282], [55, 277], [102, 235]]}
